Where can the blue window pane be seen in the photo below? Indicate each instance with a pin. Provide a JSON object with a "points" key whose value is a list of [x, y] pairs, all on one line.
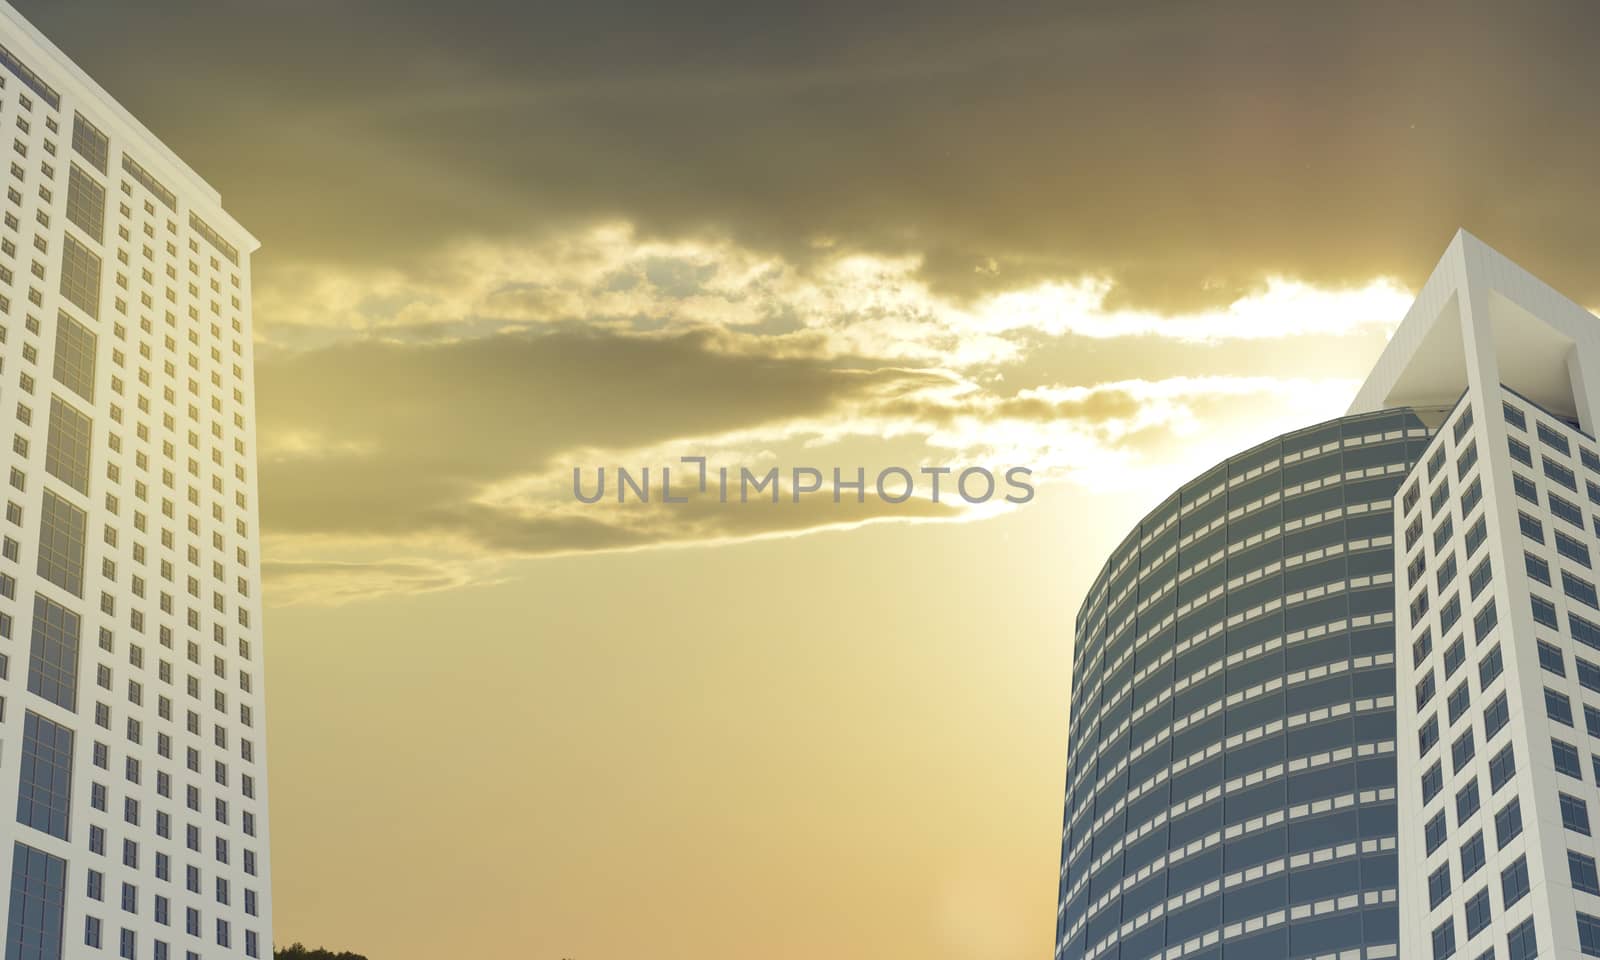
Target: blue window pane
{"points": [[1566, 759], [1574, 814]]}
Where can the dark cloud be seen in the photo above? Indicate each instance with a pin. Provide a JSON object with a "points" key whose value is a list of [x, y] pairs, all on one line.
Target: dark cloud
{"points": [[1185, 149], [400, 438]]}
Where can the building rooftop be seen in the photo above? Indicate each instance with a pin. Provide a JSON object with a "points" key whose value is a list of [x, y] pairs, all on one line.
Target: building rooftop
{"points": [[1480, 317], [34, 51]]}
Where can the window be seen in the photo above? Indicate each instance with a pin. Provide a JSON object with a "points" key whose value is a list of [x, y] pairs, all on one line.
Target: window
{"points": [[1444, 940], [67, 446], [1447, 571], [1521, 452], [149, 182], [1560, 473], [1477, 913], [53, 657], [1479, 579], [61, 538], [1580, 867], [1489, 668], [1439, 497], [1589, 934], [44, 794], [1476, 534], [1421, 647], [1495, 716], [1449, 613], [1591, 721], [1508, 823], [1425, 690], [1565, 509], [1470, 498], [1574, 814], [1571, 549], [1583, 631], [38, 894], [1436, 461], [74, 359], [1419, 606], [1551, 659], [1525, 488], [1485, 621], [86, 203], [1428, 736], [1442, 534], [1579, 589], [1432, 782], [92, 145], [1460, 699], [1439, 885], [1434, 831], [1472, 855], [1514, 417], [1466, 801], [1538, 569], [1553, 439], [1566, 759], [1414, 570], [1531, 527], [80, 277], [1513, 883], [1557, 707], [1454, 656], [1502, 766], [1521, 943], [1544, 612], [1463, 424], [1461, 753]]}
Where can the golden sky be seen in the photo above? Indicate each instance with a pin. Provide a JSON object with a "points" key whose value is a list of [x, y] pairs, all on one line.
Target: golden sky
{"points": [[1113, 241]]}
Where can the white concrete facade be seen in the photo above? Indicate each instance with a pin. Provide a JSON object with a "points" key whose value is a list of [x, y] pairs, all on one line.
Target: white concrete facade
{"points": [[1506, 497], [130, 589]]}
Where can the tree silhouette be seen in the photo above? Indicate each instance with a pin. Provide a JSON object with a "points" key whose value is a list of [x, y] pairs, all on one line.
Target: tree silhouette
{"points": [[299, 951]]}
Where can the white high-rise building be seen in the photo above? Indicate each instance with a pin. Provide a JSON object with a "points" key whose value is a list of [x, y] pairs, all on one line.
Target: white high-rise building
{"points": [[132, 731], [1338, 697], [1497, 554]]}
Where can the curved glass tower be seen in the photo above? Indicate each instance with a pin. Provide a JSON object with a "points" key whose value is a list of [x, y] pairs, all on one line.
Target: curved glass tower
{"points": [[1231, 764]]}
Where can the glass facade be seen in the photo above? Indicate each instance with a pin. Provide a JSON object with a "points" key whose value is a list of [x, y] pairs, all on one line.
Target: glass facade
{"points": [[1231, 772]]}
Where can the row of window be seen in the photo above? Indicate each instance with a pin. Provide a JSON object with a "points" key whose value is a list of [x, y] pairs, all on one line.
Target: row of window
{"points": [[1197, 495]]}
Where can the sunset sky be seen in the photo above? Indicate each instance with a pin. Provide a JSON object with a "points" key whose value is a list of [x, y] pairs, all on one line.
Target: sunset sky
{"points": [[1113, 241]]}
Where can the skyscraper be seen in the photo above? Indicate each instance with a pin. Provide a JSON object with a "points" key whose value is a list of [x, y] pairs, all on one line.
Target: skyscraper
{"points": [[1497, 531], [131, 724], [1339, 697]]}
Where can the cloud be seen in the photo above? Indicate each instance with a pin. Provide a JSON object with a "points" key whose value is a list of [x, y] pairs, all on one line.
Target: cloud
{"points": [[1330, 144], [438, 414], [848, 306], [458, 453], [334, 581], [375, 438]]}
